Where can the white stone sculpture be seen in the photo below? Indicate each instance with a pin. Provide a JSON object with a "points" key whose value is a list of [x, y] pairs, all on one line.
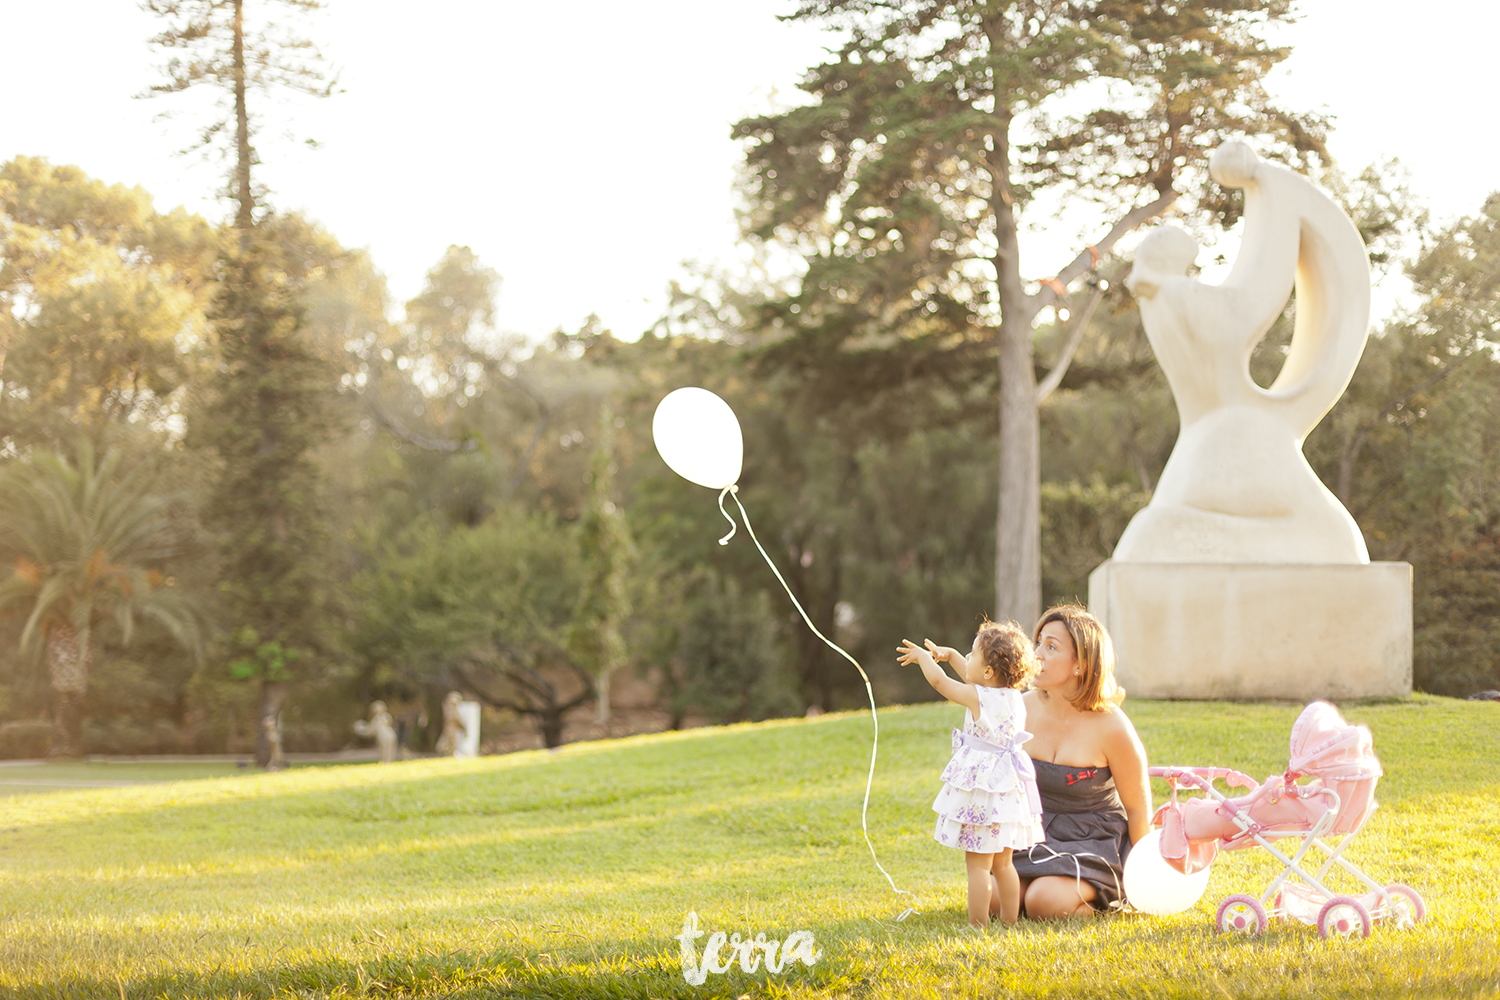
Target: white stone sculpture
{"points": [[468, 713], [1244, 577], [382, 727], [450, 743], [1237, 488]]}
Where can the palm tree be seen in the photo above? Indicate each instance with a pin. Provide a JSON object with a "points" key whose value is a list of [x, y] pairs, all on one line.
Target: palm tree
{"points": [[88, 546]]}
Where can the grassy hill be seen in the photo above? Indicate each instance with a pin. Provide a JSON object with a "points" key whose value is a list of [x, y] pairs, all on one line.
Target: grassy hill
{"points": [[570, 873]]}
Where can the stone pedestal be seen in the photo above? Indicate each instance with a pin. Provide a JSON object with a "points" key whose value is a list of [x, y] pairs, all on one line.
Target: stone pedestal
{"points": [[1257, 631]]}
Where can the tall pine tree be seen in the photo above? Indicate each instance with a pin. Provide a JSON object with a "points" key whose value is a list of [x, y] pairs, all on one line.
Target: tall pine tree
{"points": [[271, 402]]}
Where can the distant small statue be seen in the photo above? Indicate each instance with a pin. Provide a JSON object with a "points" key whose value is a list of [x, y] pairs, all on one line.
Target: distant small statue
{"points": [[272, 729], [454, 730], [382, 728]]}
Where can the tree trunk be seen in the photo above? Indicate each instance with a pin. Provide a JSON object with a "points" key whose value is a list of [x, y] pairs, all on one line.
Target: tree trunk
{"points": [[68, 656], [244, 218], [550, 722], [604, 695], [272, 697], [1018, 545], [1018, 549], [67, 726]]}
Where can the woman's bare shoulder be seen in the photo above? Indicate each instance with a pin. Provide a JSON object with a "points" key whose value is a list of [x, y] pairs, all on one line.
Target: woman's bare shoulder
{"points": [[1117, 734]]}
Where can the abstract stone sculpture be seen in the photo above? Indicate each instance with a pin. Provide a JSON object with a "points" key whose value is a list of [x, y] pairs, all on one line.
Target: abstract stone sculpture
{"points": [[1237, 488], [1244, 577]]}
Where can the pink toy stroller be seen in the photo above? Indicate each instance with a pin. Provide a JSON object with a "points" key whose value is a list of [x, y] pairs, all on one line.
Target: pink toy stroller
{"points": [[1336, 803]]}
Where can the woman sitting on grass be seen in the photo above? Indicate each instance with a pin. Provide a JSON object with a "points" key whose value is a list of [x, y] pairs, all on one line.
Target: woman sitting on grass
{"points": [[989, 805], [1090, 769]]}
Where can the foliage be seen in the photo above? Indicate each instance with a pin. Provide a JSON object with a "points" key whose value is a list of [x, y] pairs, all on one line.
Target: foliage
{"points": [[596, 636], [569, 873], [209, 45], [87, 544], [486, 608], [1081, 523], [270, 404], [904, 181], [99, 295], [1414, 451], [28, 739], [725, 664]]}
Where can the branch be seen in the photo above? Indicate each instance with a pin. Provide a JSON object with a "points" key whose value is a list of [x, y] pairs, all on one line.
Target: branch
{"points": [[492, 700], [528, 679], [1055, 376], [1089, 258], [525, 462], [395, 426], [588, 692]]}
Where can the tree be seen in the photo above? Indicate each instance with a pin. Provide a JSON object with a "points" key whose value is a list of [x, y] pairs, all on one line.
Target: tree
{"points": [[271, 403], [101, 305], [210, 46], [88, 545], [597, 638], [725, 661], [935, 132], [486, 608], [1413, 449]]}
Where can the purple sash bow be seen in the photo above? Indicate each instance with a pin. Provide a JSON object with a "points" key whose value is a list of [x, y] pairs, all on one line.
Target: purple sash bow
{"points": [[1025, 769]]}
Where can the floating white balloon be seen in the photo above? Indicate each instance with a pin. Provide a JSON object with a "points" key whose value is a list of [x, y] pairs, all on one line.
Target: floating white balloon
{"points": [[1155, 887], [698, 436]]}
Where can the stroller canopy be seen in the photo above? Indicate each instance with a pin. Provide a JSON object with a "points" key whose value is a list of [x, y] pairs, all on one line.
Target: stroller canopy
{"points": [[1326, 747]]}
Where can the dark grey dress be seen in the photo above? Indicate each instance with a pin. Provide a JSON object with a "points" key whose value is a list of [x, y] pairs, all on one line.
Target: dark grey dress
{"points": [[1088, 836]]}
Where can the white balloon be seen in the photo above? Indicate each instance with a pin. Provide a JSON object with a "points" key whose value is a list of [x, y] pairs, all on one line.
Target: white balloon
{"points": [[1155, 887], [698, 435]]}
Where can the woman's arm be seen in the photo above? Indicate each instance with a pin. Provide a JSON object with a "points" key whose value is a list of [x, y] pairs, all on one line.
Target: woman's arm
{"points": [[960, 694], [1127, 762]]}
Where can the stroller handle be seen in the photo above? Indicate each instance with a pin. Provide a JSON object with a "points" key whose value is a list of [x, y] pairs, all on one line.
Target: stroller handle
{"points": [[1235, 779]]}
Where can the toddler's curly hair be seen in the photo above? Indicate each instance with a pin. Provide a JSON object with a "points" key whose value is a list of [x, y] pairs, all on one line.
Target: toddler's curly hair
{"points": [[1008, 652]]}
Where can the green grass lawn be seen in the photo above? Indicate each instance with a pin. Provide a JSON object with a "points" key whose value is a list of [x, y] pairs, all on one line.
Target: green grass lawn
{"points": [[569, 873], [26, 778]]}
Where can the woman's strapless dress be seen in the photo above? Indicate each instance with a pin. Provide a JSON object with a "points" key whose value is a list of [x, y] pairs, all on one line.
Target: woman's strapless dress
{"points": [[1088, 836]]}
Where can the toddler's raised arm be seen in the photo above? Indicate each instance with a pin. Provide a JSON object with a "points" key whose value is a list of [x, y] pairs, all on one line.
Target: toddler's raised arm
{"points": [[958, 693]]}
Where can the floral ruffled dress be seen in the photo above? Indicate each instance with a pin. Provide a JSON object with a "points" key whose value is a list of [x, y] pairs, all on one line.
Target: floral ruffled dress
{"points": [[989, 800]]}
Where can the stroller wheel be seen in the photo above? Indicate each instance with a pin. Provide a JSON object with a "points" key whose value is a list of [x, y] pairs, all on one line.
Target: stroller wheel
{"points": [[1241, 914], [1407, 909], [1343, 916]]}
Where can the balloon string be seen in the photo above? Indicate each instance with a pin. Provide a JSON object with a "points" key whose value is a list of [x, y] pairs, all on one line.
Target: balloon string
{"points": [[869, 691], [732, 525]]}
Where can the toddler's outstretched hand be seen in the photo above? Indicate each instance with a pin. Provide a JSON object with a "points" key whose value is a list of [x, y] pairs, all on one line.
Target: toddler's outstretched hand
{"points": [[944, 654], [912, 653]]}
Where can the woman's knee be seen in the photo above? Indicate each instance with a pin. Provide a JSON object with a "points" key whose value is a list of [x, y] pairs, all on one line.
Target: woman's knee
{"points": [[1053, 898]]}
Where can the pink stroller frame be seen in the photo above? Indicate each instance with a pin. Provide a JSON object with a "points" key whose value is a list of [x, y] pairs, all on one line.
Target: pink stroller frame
{"points": [[1335, 804]]}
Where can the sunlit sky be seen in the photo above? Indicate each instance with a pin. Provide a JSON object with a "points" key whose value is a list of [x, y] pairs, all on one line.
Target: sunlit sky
{"points": [[582, 150]]}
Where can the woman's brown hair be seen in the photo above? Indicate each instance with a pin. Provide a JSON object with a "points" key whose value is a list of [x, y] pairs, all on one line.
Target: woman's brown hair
{"points": [[1097, 689]]}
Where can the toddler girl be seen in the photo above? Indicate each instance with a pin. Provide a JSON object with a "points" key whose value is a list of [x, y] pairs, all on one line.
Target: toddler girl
{"points": [[989, 803]]}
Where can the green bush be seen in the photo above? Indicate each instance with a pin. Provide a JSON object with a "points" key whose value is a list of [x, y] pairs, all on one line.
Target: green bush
{"points": [[728, 665], [127, 737], [25, 740]]}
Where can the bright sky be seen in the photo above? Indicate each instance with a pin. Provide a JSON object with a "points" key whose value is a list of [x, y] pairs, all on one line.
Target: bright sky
{"points": [[583, 151]]}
